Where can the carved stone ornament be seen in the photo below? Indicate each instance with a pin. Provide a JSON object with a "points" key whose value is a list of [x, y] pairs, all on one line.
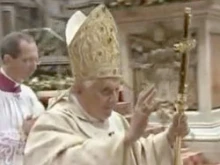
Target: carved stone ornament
{"points": [[154, 61]]}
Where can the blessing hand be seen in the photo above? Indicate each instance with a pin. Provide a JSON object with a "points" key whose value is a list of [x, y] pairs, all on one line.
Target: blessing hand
{"points": [[144, 106]]}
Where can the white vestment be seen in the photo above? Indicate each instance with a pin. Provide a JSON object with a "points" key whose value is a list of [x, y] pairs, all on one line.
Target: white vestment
{"points": [[67, 135], [14, 108]]}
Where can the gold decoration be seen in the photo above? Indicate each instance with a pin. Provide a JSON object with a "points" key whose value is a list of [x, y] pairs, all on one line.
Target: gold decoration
{"points": [[185, 46], [93, 46], [181, 105]]}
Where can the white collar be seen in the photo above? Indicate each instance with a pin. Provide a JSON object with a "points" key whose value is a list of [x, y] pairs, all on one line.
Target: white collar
{"points": [[5, 74]]}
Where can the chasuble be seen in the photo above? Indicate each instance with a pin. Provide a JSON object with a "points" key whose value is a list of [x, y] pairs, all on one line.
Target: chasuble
{"points": [[67, 135]]}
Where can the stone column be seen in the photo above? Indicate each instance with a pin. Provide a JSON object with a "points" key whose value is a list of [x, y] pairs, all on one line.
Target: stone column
{"points": [[204, 68], [126, 70]]}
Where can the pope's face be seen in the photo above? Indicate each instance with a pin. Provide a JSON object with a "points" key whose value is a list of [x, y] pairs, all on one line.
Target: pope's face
{"points": [[100, 98]]}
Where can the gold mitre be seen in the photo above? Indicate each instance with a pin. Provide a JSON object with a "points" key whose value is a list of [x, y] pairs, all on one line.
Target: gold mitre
{"points": [[92, 44]]}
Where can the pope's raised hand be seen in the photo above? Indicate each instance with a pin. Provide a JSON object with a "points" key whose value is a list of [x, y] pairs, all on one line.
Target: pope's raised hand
{"points": [[144, 106]]}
